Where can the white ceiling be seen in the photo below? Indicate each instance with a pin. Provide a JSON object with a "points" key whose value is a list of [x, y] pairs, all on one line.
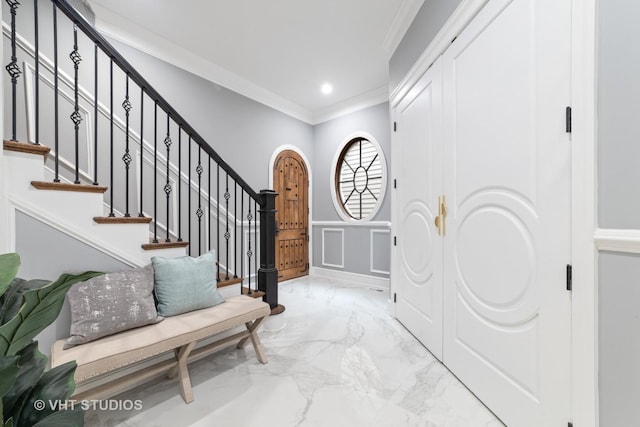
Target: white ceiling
{"points": [[278, 52]]}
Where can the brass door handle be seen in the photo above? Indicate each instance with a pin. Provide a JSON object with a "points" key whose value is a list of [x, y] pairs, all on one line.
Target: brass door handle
{"points": [[441, 219]]}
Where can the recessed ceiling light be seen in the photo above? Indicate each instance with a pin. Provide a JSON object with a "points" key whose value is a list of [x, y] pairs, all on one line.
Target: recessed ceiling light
{"points": [[326, 88]]}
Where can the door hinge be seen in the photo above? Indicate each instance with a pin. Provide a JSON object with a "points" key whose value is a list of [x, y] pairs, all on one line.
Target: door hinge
{"points": [[568, 119], [395, 126], [395, 241], [395, 297], [569, 277], [395, 183]]}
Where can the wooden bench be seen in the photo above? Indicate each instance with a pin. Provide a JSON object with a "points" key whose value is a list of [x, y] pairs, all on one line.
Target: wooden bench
{"points": [[177, 333]]}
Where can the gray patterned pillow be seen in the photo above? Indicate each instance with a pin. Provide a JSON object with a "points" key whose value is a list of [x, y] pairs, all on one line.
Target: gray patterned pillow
{"points": [[111, 303]]}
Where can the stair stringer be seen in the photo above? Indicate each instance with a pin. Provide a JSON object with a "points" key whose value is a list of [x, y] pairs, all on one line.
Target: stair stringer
{"points": [[72, 213]]}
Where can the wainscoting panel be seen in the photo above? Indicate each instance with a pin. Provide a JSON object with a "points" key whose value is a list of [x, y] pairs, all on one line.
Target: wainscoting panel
{"points": [[333, 247], [379, 245], [362, 249]]}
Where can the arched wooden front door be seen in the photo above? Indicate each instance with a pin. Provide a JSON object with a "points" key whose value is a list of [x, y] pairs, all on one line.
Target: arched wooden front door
{"points": [[291, 182]]}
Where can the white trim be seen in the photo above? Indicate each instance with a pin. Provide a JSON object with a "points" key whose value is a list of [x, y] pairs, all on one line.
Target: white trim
{"points": [[123, 30], [458, 20], [400, 25], [371, 233], [335, 230], [625, 241], [307, 163], [334, 166], [361, 279], [584, 218], [352, 105], [384, 224]]}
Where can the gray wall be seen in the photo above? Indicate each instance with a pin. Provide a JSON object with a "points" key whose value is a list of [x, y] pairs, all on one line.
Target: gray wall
{"points": [[618, 91], [619, 342], [430, 18], [618, 124], [356, 244]]}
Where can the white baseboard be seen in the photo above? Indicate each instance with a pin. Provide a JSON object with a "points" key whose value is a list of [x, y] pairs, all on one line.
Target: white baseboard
{"points": [[361, 279]]}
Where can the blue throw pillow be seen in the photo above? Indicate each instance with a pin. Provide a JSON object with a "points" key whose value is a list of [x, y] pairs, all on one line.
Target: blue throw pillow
{"points": [[185, 284]]}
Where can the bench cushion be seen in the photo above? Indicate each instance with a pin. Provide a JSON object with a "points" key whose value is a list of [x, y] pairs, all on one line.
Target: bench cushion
{"points": [[116, 351]]}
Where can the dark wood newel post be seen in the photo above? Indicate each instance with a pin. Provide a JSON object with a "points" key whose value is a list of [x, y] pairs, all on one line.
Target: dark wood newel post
{"points": [[268, 273]]}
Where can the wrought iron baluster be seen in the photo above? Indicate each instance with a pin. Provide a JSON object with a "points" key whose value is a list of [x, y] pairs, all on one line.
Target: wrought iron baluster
{"points": [[111, 189], [199, 212], [126, 158], [209, 202], [13, 68], [155, 172], [180, 183], [249, 251], [37, 69], [75, 117], [167, 185], [241, 237], [235, 229], [95, 113], [218, 220], [56, 130], [141, 210], [227, 234], [189, 199], [255, 241]]}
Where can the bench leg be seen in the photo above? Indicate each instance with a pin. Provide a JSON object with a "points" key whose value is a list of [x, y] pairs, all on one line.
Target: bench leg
{"points": [[182, 370], [174, 371], [252, 327]]}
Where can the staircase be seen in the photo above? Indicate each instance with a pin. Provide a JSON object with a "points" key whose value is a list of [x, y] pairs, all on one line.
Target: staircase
{"points": [[123, 172]]}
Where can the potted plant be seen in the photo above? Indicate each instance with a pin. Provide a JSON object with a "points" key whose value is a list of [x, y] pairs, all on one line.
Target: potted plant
{"points": [[30, 394]]}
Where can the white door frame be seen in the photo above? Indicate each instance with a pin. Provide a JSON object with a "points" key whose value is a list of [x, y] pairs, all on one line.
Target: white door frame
{"points": [[583, 198], [584, 218]]}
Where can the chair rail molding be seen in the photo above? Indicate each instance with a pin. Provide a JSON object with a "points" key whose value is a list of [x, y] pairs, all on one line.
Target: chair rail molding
{"points": [[617, 240]]}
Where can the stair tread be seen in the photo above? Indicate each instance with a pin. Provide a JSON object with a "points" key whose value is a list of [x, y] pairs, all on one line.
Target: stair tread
{"points": [[164, 245], [25, 147], [222, 281], [63, 186], [122, 219], [254, 293]]}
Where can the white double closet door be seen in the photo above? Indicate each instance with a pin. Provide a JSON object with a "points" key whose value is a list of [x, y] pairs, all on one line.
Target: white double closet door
{"points": [[485, 128]]}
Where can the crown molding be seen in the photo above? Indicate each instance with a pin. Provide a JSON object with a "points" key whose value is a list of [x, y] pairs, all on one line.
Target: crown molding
{"points": [[400, 25], [351, 105], [157, 46]]}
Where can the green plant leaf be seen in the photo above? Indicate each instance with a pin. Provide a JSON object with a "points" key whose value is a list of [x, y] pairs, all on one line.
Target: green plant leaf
{"points": [[39, 309], [57, 385], [32, 364], [8, 373], [67, 418], [9, 265], [11, 301]]}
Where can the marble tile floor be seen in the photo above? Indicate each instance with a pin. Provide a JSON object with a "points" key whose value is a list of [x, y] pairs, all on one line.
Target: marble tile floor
{"points": [[339, 360]]}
